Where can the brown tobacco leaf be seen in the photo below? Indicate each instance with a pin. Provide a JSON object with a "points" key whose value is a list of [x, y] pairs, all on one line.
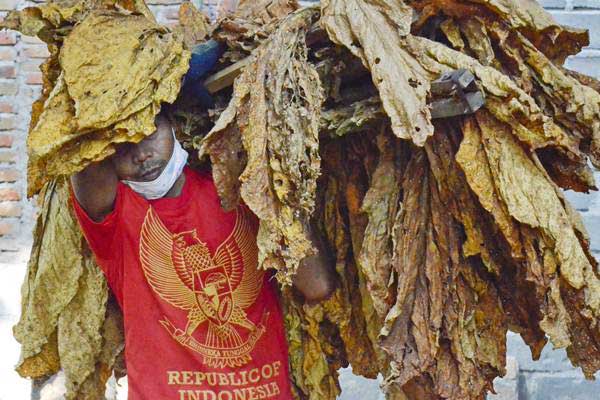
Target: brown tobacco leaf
{"points": [[558, 255], [373, 32], [525, 16], [380, 203], [330, 335], [276, 106], [250, 24], [193, 25], [350, 309], [447, 327]]}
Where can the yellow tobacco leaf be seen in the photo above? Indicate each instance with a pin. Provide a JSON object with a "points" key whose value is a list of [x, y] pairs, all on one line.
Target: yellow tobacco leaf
{"points": [[53, 272], [380, 203], [373, 31], [472, 159], [64, 302], [531, 199], [116, 64], [79, 326], [114, 70]]}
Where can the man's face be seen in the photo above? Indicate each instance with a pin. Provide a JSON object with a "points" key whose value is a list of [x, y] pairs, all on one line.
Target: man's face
{"points": [[144, 161]]}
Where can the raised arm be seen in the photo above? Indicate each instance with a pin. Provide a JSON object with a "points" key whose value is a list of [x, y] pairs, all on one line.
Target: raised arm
{"points": [[95, 189]]}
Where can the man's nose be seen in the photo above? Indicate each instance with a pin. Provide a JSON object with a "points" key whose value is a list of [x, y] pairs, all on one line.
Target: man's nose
{"points": [[141, 154]]}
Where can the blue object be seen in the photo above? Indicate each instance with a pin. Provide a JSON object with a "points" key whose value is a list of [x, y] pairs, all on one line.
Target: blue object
{"points": [[204, 57]]}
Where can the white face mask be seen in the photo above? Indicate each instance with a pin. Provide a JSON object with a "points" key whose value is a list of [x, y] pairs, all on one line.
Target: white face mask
{"points": [[158, 187]]}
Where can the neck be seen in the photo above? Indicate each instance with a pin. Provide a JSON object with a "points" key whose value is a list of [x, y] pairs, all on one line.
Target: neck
{"points": [[177, 186]]}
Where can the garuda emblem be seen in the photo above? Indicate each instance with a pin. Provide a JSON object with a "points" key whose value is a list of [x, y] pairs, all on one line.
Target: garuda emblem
{"points": [[215, 290]]}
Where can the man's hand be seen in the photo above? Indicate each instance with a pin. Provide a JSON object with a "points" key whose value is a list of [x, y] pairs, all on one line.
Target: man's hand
{"points": [[95, 189], [316, 278]]}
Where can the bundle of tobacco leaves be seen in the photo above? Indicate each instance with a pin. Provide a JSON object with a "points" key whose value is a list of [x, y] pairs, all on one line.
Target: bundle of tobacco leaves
{"points": [[444, 233], [110, 68]]}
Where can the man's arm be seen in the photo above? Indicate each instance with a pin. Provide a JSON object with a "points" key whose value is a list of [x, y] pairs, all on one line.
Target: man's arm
{"points": [[315, 277], [95, 189]]}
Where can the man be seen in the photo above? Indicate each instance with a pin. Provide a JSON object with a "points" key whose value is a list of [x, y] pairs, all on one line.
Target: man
{"points": [[201, 321]]}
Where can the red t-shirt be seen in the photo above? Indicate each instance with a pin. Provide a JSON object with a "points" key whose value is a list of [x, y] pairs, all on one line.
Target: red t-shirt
{"points": [[201, 321]]}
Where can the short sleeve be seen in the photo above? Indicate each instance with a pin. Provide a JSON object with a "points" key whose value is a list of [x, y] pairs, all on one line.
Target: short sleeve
{"points": [[102, 237]]}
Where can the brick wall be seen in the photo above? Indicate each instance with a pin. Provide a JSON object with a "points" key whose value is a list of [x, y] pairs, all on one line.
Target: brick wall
{"points": [[20, 80]]}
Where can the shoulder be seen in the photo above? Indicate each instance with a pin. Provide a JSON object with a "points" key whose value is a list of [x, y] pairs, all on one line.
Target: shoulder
{"points": [[199, 178], [200, 181], [203, 175]]}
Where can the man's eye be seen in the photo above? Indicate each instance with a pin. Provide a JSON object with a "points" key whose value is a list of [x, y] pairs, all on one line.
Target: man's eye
{"points": [[123, 149]]}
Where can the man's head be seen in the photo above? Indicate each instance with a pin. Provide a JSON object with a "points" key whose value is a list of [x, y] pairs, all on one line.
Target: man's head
{"points": [[144, 161]]}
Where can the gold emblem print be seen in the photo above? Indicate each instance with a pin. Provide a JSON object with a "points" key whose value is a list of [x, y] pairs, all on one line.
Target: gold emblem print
{"points": [[215, 290]]}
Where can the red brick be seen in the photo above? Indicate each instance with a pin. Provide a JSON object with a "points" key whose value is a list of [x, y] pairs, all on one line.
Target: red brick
{"points": [[34, 78], [8, 157], [8, 194], [6, 140], [7, 54], [36, 52], [8, 72], [7, 123], [6, 107], [10, 209], [8, 38], [9, 175], [6, 228]]}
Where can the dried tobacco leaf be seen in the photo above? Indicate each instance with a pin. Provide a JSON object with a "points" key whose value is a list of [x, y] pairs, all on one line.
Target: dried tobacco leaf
{"points": [[250, 24], [114, 70], [572, 105], [63, 301], [193, 24], [381, 201], [52, 281], [526, 16], [103, 97], [113, 340], [79, 327], [276, 106], [563, 249], [373, 32]]}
